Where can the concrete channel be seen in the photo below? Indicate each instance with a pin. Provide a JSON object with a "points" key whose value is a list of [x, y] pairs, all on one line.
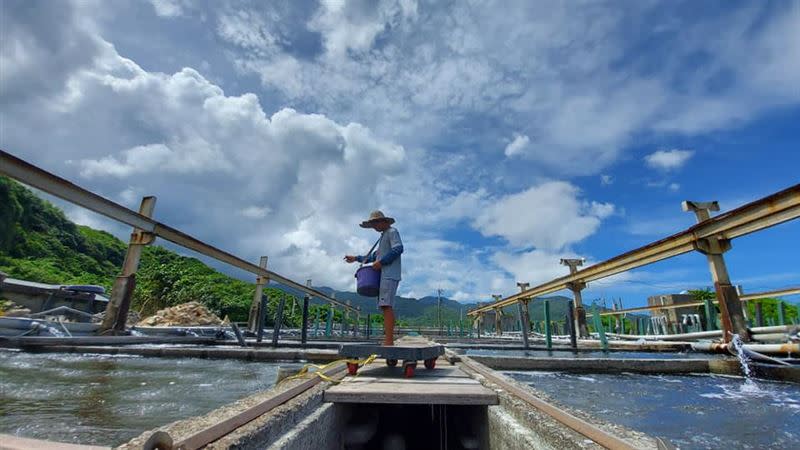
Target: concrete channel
{"points": [[294, 414]]}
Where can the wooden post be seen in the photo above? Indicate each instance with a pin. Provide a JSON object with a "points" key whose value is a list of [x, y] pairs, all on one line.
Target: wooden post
{"points": [[276, 330], [759, 314], [598, 324], [262, 316], [525, 322], [524, 316], [304, 319], [329, 323], [124, 286], [733, 320], [711, 315], [119, 304], [548, 338], [498, 317], [576, 288], [255, 307], [573, 335]]}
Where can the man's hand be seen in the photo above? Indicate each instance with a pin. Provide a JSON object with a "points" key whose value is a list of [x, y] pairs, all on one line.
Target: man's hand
{"points": [[377, 265], [350, 259]]}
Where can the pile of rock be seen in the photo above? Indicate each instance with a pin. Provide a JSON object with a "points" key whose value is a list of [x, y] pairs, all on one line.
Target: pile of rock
{"points": [[186, 314], [11, 309]]}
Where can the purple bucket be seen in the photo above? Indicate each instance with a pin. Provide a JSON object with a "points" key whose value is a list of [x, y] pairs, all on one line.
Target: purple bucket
{"points": [[368, 281]]}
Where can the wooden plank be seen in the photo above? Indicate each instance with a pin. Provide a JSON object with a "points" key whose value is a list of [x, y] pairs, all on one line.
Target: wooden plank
{"points": [[411, 393], [433, 380], [381, 370]]}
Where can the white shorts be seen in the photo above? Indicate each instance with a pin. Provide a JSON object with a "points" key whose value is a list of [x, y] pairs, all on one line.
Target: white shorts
{"points": [[387, 292]]}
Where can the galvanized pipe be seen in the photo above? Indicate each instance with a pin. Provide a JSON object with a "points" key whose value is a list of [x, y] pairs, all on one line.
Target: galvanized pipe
{"points": [[771, 349]]}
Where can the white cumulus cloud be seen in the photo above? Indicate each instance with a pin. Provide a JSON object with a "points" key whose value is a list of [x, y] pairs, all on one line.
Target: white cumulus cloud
{"points": [[549, 216], [668, 159], [517, 145]]}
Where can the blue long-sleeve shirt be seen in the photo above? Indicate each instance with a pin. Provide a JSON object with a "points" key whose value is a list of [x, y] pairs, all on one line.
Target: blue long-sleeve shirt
{"points": [[389, 249]]}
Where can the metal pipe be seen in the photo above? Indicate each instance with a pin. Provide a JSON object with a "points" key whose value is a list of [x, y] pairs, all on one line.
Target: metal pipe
{"points": [[774, 349]]}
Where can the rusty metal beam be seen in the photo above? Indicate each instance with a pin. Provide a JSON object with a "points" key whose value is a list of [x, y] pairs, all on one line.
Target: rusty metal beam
{"points": [[38, 178], [758, 215], [776, 293], [743, 298]]}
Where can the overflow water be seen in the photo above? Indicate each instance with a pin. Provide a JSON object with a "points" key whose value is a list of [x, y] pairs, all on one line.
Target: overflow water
{"points": [[107, 400], [691, 411]]}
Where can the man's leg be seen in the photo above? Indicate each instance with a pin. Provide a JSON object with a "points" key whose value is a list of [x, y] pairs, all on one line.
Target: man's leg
{"points": [[388, 325], [386, 294]]}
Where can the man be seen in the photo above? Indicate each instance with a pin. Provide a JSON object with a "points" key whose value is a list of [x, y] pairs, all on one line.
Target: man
{"points": [[386, 259]]}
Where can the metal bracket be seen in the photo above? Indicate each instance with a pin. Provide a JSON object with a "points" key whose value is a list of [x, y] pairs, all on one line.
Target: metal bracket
{"points": [[712, 246], [576, 286], [262, 280], [140, 237]]}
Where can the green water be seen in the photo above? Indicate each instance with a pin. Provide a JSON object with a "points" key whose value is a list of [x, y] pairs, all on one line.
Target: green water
{"points": [[107, 400]]}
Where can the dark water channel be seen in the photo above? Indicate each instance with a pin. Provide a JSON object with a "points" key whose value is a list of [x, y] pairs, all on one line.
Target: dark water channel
{"points": [[692, 412], [107, 400]]}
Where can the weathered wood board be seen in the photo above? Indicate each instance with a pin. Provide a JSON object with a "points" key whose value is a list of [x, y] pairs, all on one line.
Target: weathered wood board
{"points": [[377, 383]]}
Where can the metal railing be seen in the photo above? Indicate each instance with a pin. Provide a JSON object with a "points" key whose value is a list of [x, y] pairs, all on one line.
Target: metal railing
{"points": [[758, 215], [744, 298], [38, 178]]}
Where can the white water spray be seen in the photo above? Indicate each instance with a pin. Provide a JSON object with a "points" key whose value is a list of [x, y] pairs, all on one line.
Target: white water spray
{"points": [[744, 360]]}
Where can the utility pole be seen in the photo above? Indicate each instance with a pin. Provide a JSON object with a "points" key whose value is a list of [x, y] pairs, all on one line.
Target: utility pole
{"points": [[576, 287], [714, 247]]}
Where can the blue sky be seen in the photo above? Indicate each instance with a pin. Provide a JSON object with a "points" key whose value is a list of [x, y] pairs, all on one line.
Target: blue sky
{"points": [[503, 136]]}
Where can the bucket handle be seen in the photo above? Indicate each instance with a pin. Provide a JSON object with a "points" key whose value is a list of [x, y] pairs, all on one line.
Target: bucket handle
{"points": [[370, 250]]}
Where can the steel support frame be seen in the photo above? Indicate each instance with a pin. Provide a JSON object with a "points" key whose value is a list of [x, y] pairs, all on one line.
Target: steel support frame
{"points": [[122, 294], [38, 178], [755, 216]]}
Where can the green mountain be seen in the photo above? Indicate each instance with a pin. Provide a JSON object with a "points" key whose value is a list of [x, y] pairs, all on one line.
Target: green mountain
{"points": [[38, 243]]}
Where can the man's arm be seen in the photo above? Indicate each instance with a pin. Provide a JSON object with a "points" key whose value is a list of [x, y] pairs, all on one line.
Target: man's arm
{"points": [[366, 259], [396, 248]]}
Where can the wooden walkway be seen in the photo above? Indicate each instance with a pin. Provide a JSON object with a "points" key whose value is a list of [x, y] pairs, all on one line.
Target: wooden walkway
{"points": [[444, 385]]}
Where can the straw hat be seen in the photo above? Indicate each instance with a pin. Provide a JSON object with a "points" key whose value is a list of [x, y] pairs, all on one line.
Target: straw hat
{"points": [[375, 216]]}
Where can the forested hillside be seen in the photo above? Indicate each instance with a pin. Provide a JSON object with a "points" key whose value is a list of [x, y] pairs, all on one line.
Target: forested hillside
{"points": [[39, 243]]}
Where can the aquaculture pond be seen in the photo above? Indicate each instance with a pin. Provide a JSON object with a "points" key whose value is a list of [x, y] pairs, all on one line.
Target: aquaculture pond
{"points": [[107, 400], [691, 411]]}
